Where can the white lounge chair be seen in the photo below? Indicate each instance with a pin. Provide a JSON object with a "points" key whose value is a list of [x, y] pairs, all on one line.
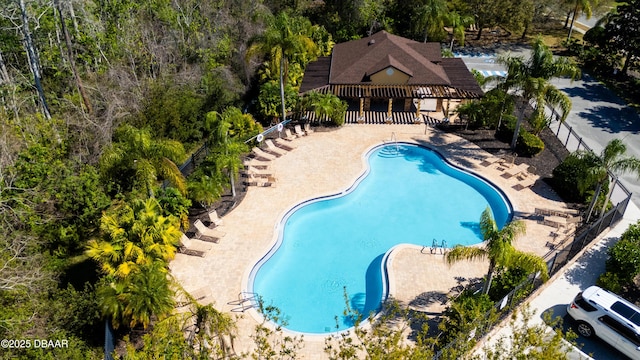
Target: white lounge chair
{"points": [[288, 135], [287, 145], [262, 155], [489, 161], [307, 128], [299, 132], [272, 148], [193, 247], [263, 165], [205, 234], [214, 219], [255, 172]]}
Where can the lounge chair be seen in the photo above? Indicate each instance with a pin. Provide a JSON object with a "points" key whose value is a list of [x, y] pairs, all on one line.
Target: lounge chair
{"points": [[307, 128], [193, 247], [299, 132], [188, 297], [205, 234], [269, 182], [527, 182], [214, 220], [489, 161], [287, 145], [262, 165], [288, 135], [261, 155], [272, 148], [255, 172], [515, 171], [507, 161]]}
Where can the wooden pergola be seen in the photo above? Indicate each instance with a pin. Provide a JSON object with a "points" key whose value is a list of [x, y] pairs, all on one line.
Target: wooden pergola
{"points": [[390, 68]]}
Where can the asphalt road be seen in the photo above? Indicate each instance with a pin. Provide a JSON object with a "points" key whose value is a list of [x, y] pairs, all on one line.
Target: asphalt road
{"points": [[597, 115]]}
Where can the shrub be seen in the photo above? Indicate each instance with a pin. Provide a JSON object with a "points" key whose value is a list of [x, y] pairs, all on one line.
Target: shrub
{"points": [[610, 281], [623, 264], [486, 111], [505, 281], [571, 178], [529, 144]]}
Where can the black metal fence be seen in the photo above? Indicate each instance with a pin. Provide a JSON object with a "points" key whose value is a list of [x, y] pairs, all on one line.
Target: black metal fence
{"points": [[561, 254]]}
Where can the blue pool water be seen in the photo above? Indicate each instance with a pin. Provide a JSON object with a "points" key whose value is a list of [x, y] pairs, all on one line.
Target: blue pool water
{"points": [[336, 245]]}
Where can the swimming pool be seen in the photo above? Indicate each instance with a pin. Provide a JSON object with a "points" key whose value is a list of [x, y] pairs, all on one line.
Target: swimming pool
{"points": [[336, 245]]}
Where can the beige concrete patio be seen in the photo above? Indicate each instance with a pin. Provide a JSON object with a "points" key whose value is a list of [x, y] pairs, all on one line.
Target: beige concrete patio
{"points": [[326, 163]]}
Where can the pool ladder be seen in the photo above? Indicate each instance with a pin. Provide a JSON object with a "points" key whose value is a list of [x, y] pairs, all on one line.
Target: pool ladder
{"points": [[246, 300]]}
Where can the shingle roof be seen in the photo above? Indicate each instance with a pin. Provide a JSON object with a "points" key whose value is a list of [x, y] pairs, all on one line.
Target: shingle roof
{"points": [[352, 61], [385, 63]]}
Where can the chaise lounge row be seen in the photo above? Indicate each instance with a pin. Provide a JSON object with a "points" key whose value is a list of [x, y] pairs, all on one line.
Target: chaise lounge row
{"points": [[204, 235]]}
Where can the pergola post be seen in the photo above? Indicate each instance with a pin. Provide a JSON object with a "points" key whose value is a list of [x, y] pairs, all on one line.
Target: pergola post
{"points": [[361, 113], [390, 108], [418, 108]]}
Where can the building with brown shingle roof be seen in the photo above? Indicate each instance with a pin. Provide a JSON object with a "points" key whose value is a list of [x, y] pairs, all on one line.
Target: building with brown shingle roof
{"points": [[389, 68]]}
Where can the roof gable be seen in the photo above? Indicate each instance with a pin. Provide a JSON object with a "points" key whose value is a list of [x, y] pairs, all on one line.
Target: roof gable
{"points": [[353, 61], [387, 62]]}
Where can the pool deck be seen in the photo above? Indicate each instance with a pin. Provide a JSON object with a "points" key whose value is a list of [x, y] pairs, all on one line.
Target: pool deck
{"points": [[326, 163]]}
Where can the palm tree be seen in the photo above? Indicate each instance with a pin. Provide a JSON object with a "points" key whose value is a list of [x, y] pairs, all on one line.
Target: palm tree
{"points": [[498, 249], [282, 40], [206, 189], [611, 160], [136, 299], [134, 235], [136, 157], [229, 130], [584, 7], [531, 78], [231, 161], [431, 17], [458, 24]]}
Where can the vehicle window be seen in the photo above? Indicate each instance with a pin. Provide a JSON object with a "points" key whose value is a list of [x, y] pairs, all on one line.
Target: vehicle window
{"points": [[620, 329], [627, 312], [584, 305]]}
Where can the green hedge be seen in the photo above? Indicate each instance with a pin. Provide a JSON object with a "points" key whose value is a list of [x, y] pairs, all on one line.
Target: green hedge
{"points": [[623, 264], [528, 144], [572, 178]]}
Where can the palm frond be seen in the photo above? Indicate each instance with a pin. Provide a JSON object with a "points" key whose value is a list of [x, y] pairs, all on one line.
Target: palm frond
{"points": [[530, 263], [459, 252]]}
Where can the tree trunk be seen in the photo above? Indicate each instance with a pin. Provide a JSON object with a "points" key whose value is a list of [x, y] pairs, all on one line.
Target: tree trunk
{"points": [[479, 32], [72, 61], [284, 110], [592, 204], [524, 32], [4, 74], [487, 283], [33, 60], [573, 19], [516, 131], [566, 21], [627, 61], [606, 202], [73, 17], [233, 186]]}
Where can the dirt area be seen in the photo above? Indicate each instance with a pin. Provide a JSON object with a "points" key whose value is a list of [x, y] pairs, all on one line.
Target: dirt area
{"points": [[543, 163]]}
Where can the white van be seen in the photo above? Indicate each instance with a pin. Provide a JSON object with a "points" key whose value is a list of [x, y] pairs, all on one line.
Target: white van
{"points": [[613, 319]]}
